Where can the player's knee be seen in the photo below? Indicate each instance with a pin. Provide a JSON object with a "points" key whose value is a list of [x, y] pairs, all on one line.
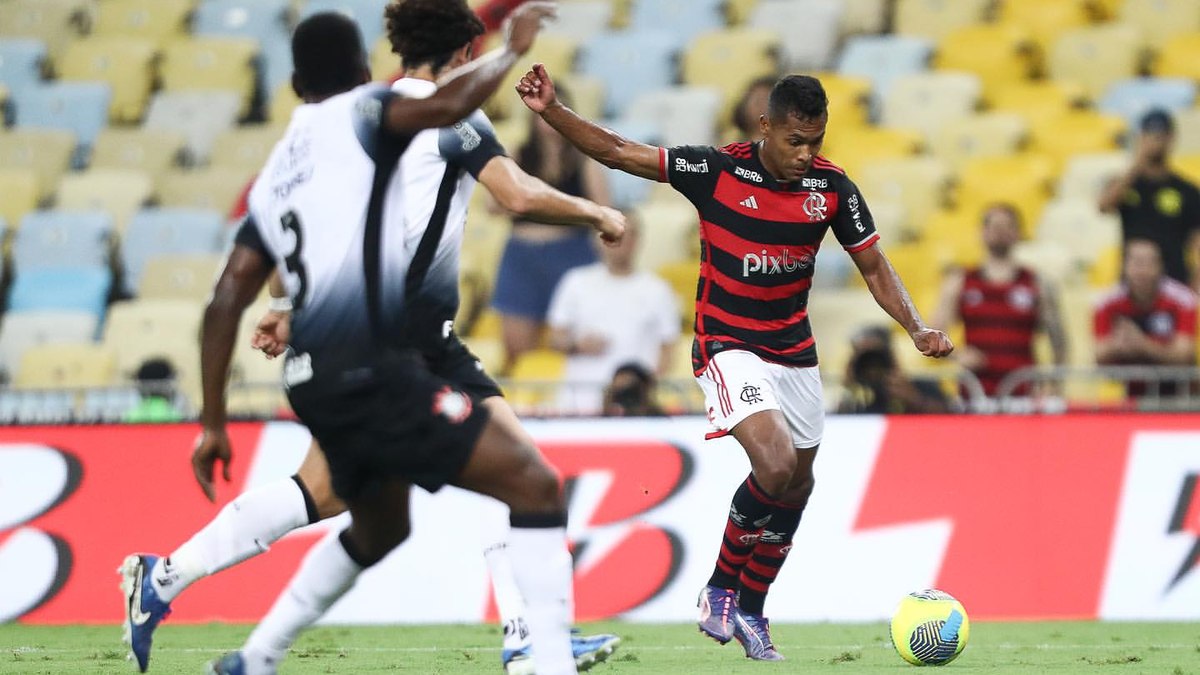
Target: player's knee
{"points": [[800, 489], [539, 490], [774, 472]]}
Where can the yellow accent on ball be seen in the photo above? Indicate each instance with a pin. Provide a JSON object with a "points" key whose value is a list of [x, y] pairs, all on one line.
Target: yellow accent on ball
{"points": [[930, 628]]}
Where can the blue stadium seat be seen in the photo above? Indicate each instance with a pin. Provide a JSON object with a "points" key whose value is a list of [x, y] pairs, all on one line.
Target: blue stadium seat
{"points": [[685, 18], [629, 63], [56, 239], [78, 107], [21, 63], [82, 289], [155, 232], [628, 191], [883, 58], [368, 14], [1131, 98]]}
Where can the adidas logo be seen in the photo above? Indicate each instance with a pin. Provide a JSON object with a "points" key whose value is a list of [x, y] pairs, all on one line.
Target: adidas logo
{"points": [[750, 202]]}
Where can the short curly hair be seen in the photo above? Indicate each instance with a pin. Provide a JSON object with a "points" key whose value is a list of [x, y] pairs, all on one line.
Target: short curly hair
{"points": [[798, 96], [430, 31]]}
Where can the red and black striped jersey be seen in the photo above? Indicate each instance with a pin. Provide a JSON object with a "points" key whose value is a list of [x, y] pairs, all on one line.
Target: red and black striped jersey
{"points": [[759, 240], [1000, 320]]}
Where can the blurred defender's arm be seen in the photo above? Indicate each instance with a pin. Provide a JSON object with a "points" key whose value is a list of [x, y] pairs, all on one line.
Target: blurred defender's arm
{"points": [[531, 198]]}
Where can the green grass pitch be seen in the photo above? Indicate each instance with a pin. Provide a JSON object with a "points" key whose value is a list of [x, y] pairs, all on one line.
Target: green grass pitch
{"points": [[1032, 647]]}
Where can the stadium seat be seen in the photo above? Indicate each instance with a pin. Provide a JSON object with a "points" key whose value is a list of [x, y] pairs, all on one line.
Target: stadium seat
{"points": [[1053, 260], [255, 389], [118, 192], [257, 19], [200, 116], [283, 102], [836, 315], [683, 277], [65, 366], [179, 277], [21, 193], [383, 62], [54, 22], [918, 183], [1159, 20], [669, 234], [1038, 100], [47, 152], [934, 19], [1086, 174], [587, 96], [62, 239], [849, 100], [557, 52], [160, 21], [1106, 270], [534, 378], [1045, 20], [864, 17], [140, 329], [953, 235], [245, 147], [1000, 54], [72, 289], [1131, 99], [156, 232], [368, 14], [1077, 225], [858, 149], [684, 115], [821, 20], [1095, 57], [629, 63], [581, 20], [989, 134], [1076, 132], [1023, 180], [1178, 57], [126, 64], [882, 59], [1187, 166], [1187, 131], [148, 150], [489, 351], [21, 62], [226, 64], [929, 101], [78, 107], [685, 18], [215, 189], [730, 60], [22, 330]]}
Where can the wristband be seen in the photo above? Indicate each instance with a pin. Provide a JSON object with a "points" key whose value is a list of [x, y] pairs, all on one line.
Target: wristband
{"points": [[282, 305]]}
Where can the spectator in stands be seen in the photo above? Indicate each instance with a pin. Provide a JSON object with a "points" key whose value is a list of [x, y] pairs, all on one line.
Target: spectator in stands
{"points": [[631, 393], [751, 106], [538, 255], [1149, 319], [1001, 305], [1156, 203], [875, 384], [608, 314], [156, 387]]}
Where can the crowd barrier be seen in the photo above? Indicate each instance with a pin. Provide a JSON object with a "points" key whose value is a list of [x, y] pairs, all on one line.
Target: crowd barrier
{"points": [[1070, 516]]}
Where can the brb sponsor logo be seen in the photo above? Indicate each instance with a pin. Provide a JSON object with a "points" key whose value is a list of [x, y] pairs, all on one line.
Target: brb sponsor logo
{"points": [[781, 262], [684, 166], [748, 174], [814, 183]]}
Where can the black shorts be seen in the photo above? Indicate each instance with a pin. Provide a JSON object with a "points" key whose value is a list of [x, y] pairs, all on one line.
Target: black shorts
{"points": [[458, 365], [399, 417]]}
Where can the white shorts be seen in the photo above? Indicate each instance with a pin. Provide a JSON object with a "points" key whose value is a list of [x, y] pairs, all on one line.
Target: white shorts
{"points": [[738, 384]]}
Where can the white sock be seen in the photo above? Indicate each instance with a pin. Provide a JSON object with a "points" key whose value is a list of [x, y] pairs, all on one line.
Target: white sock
{"points": [[246, 527], [493, 524], [325, 575], [542, 566]]}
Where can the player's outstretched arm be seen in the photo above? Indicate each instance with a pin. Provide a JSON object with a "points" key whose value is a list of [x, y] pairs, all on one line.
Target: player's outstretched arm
{"points": [[531, 198], [243, 277], [466, 88], [604, 145], [893, 297]]}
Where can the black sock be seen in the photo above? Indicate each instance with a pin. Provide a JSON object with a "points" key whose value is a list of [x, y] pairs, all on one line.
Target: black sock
{"points": [[310, 505], [749, 511], [767, 558]]}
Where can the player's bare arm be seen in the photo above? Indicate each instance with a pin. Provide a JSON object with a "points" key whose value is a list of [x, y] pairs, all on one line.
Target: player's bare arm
{"points": [[603, 145], [893, 297], [274, 329], [1050, 321], [243, 277], [469, 86], [531, 198]]}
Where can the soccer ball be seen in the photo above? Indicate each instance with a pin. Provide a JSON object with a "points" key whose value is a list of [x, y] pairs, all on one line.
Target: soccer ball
{"points": [[930, 628]]}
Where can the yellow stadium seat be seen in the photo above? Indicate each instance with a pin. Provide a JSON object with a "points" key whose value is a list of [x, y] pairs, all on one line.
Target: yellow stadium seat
{"points": [[989, 134], [849, 98], [126, 64], [836, 315], [919, 265], [54, 22], [1095, 57], [283, 101], [955, 234], [929, 101], [534, 378], [934, 19], [739, 11], [1039, 99], [489, 351], [160, 21], [1159, 20], [1045, 20], [245, 147], [383, 61], [20, 190], [1188, 166], [211, 63], [856, 150], [730, 60], [1105, 270], [683, 278], [1023, 180], [140, 329], [154, 151], [214, 188], [46, 152], [1179, 57], [556, 51], [1000, 54], [919, 183], [65, 365], [486, 326], [669, 233], [179, 277], [864, 16], [118, 192], [1081, 131], [587, 95]]}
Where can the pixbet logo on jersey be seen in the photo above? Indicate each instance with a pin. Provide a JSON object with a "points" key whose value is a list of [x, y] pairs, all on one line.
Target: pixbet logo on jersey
{"points": [[768, 263]]}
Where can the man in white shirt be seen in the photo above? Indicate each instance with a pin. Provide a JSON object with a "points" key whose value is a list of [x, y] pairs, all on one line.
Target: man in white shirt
{"points": [[607, 314]]}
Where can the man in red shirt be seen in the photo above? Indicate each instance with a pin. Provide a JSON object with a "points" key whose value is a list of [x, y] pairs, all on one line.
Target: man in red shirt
{"points": [[1149, 319], [1001, 305]]}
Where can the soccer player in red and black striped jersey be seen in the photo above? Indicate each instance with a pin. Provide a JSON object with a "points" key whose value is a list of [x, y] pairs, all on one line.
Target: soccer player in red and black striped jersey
{"points": [[1001, 304], [764, 209]]}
